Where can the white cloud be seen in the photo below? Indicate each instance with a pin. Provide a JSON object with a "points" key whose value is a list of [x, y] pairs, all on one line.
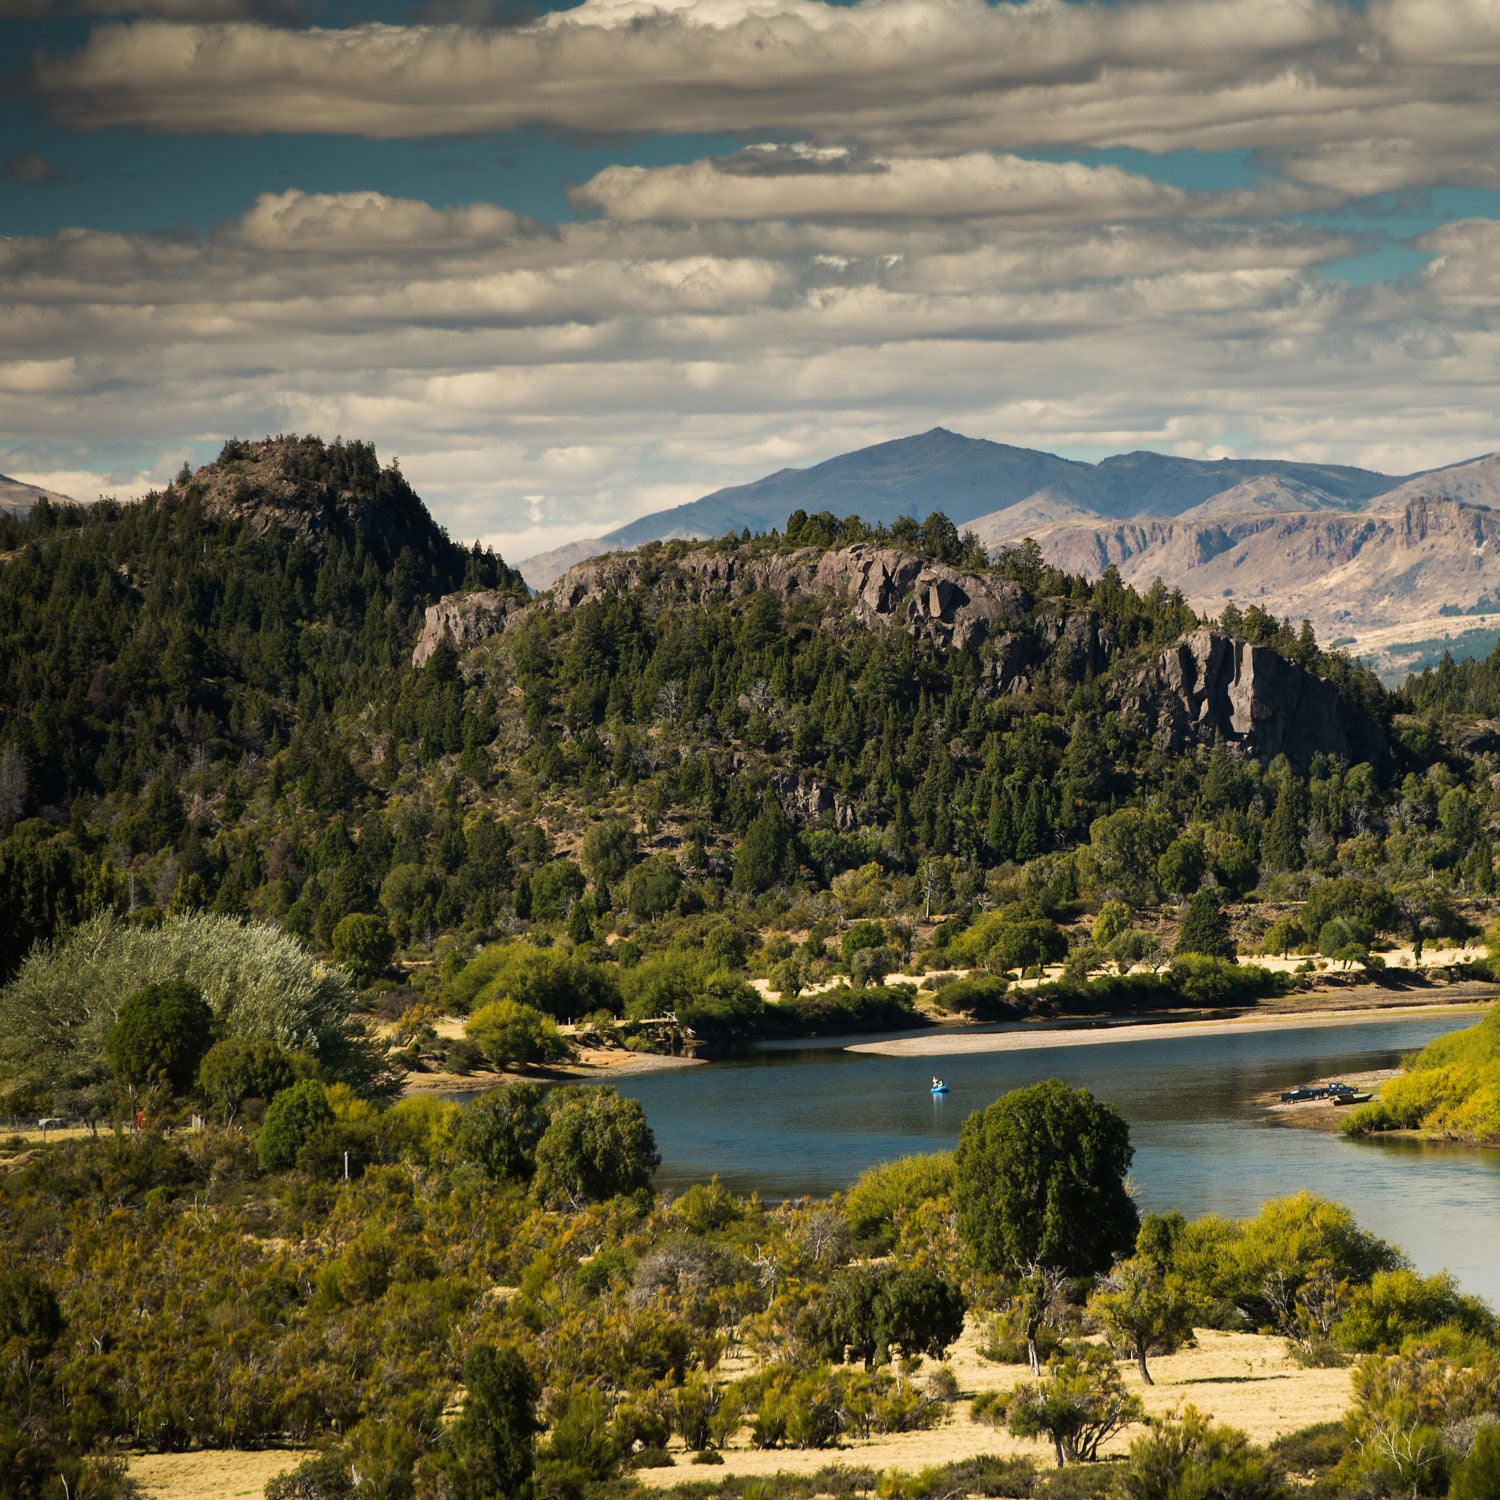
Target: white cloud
{"points": [[545, 383], [1371, 94]]}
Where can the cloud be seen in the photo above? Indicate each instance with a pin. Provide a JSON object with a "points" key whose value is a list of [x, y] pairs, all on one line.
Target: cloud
{"points": [[1387, 94], [28, 166], [543, 382], [767, 183]]}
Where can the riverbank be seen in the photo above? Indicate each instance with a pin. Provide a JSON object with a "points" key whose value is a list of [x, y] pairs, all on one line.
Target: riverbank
{"points": [[1030, 1036], [592, 1065], [1324, 1114]]}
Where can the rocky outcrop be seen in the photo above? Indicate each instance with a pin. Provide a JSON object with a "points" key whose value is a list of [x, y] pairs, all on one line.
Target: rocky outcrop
{"points": [[808, 800], [304, 488], [882, 584], [1212, 688], [465, 619]]}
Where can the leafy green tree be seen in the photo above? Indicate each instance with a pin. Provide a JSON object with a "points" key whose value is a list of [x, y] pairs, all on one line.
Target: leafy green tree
{"points": [[1039, 1179], [1039, 1185], [884, 1194], [1141, 1310], [861, 935], [291, 1120], [509, 1032], [499, 1131], [363, 944], [609, 850], [1192, 1457], [563, 985], [1113, 919], [241, 1068], [869, 1313], [161, 1036], [554, 888], [871, 965], [1181, 867], [1205, 927], [1282, 936], [596, 1146], [653, 887], [918, 1312]]}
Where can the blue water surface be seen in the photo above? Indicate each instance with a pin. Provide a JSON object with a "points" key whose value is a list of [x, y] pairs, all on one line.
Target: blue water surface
{"points": [[808, 1118]]}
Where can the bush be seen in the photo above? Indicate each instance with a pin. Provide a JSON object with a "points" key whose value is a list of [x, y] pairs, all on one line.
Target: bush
{"points": [[1193, 1457], [1205, 927], [596, 1146], [562, 985], [364, 944], [885, 1194], [982, 996], [241, 1068], [1478, 1476], [292, 1118], [509, 1032], [499, 1131]]}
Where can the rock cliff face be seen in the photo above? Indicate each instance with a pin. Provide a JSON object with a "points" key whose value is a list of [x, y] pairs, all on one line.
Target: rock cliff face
{"points": [[882, 586], [1211, 687], [465, 619]]}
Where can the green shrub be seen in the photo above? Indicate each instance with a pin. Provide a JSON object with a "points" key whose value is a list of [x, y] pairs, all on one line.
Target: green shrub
{"points": [[883, 1195], [508, 1032], [291, 1119]]}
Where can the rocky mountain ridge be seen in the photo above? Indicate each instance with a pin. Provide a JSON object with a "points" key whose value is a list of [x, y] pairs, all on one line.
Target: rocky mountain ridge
{"points": [[1209, 688]]}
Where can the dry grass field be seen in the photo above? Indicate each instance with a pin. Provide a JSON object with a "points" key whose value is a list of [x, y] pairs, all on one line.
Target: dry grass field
{"points": [[1240, 1378], [1243, 1379]]}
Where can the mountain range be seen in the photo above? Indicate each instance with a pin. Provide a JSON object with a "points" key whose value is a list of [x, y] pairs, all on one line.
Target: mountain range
{"points": [[1386, 563], [17, 498]]}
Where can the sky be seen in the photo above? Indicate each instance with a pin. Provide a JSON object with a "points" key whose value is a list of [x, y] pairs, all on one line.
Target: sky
{"points": [[574, 264]]}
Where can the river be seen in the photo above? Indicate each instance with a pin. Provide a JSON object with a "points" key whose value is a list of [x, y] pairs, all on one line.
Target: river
{"points": [[809, 1117]]}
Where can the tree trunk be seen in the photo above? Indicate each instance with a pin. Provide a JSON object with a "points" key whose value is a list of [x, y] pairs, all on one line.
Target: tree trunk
{"points": [[1140, 1359], [1036, 1364], [1057, 1444]]}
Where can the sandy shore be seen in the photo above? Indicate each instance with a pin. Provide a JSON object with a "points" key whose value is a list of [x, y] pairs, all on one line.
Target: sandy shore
{"points": [[593, 1065], [1103, 1033]]}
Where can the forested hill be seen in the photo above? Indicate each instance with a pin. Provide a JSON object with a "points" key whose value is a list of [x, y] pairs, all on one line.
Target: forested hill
{"points": [[209, 701]]}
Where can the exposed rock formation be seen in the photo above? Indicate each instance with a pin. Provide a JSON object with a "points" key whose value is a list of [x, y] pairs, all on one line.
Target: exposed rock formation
{"points": [[1211, 687], [466, 619], [884, 585], [1346, 573]]}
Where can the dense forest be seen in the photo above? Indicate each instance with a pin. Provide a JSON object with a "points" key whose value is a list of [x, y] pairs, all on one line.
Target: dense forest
{"points": [[209, 704]]}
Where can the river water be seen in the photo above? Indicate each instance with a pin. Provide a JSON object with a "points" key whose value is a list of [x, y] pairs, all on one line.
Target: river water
{"points": [[808, 1118]]}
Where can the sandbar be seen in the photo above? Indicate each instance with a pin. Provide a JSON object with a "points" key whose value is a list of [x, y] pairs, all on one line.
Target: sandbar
{"points": [[1112, 1032]]}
